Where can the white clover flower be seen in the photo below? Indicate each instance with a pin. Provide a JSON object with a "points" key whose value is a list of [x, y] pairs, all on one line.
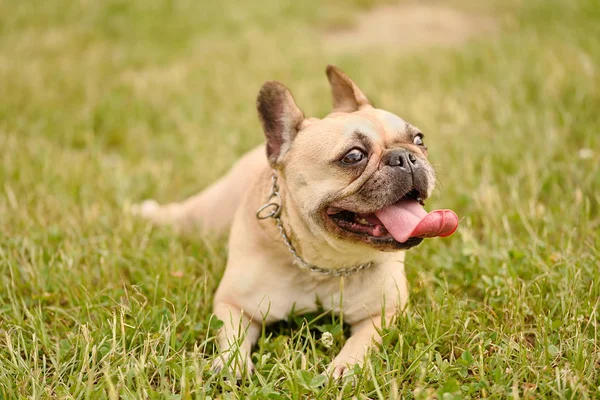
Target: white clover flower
{"points": [[327, 339]]}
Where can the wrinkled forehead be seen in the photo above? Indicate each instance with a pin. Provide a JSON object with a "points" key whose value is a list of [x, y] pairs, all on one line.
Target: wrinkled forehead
{"points": [[378, 125]]}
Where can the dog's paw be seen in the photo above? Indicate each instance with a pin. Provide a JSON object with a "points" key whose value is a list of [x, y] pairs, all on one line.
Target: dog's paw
{"points": [[236, 368], [339, 370], [146, 209]]}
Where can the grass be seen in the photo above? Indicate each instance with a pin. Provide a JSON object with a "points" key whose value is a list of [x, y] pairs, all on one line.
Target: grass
{"points": [[104, 103]]}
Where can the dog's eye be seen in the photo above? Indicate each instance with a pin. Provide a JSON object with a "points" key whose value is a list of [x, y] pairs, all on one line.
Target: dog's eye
{"points": [[418, 140], [353, 156]]}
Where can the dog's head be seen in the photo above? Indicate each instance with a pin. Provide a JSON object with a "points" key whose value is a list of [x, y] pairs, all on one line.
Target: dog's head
{"points": [[360, 174]]}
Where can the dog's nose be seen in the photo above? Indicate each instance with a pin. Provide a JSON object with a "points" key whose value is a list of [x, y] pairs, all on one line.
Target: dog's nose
{"points": [[402, 159]]}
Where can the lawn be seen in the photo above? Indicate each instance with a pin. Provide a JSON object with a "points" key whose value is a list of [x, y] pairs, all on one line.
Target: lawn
{"points": [[105, 103]]}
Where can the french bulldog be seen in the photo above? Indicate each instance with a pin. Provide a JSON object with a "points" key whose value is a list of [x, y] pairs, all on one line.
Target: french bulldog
{"points": [[319, 216]]}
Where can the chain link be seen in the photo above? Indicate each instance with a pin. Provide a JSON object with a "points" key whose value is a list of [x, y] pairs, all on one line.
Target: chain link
{"points": [[274, 204]]}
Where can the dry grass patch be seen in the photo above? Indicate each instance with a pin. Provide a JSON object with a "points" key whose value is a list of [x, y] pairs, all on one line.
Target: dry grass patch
{"points": [[410, 26]]}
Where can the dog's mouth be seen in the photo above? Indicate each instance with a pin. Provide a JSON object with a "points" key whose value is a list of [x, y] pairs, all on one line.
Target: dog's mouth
{"points": [[401, 222]]}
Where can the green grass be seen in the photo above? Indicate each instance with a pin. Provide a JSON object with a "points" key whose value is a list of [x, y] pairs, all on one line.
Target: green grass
{"points": [[104, 103]]}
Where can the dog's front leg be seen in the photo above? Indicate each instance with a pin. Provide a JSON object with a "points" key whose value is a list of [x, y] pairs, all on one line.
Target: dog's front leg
{"points": [[364, 334], [235, 340]]}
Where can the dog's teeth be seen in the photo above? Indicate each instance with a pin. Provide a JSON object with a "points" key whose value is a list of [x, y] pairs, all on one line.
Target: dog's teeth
{"points": [[362, 221]]}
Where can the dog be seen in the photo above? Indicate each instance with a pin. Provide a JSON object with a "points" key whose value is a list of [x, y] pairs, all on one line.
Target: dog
{"points": [[320, 215]]}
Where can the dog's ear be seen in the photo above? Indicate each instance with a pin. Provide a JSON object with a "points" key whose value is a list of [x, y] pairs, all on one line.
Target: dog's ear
{"points": [[280, 117], [347, 97]]}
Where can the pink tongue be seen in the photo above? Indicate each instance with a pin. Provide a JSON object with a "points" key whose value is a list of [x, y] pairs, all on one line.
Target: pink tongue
{"points": [[407, 219]]}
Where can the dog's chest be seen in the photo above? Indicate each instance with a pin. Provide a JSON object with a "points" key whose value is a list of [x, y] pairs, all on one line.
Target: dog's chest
{"points": [[276, 297]]}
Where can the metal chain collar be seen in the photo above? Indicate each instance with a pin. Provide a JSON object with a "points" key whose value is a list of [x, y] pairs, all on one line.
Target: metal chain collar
{"points": [[272, 209]]}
